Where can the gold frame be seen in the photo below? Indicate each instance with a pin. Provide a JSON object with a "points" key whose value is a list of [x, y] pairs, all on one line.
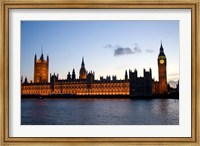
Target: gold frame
{"points": [[4, 119]]}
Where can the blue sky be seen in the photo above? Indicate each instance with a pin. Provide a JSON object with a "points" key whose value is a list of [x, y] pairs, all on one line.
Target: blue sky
{"points": [[108, 47]]}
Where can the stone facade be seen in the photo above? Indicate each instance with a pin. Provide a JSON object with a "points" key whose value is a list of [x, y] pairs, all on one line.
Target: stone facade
{"points": [[41, 69], [87, 85], [77, 87]]}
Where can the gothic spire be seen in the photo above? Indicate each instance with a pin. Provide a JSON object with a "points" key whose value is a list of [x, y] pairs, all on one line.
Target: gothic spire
{"points": [[161, 51], [161, 48], [42, 56], [73, 74], [82, 64], [126, 75]]}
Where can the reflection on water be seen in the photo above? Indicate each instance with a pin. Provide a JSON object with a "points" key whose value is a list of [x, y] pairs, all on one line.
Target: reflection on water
{"points": [[99, 112]]}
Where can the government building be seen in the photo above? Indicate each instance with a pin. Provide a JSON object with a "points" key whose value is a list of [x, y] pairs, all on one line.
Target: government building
{"points": [[86, 84]]}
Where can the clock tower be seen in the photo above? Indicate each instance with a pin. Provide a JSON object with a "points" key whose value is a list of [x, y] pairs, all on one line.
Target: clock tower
{"points": [[162, 71]]}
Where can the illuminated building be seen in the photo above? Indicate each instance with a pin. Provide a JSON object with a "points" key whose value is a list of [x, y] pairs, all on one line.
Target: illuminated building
{"points": [[41, 69], [83, 72], [87, 85], [162, 71]]}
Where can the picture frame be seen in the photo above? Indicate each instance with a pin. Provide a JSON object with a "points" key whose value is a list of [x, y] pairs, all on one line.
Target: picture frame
{"points": [[7, 5]]}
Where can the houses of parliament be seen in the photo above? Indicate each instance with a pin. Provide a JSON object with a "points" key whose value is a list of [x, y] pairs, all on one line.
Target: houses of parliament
{"points": [[86, 84]]}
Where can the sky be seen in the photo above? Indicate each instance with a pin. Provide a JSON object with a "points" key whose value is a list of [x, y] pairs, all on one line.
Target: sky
{"points": [[108, 47]]}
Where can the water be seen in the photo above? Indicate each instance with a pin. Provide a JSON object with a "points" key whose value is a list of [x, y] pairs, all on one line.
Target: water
{"points": [[99, 112]]}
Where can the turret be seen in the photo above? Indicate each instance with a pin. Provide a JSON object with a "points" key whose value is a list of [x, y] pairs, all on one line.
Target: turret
{"points": [[35, 58], [114, 77], [150, 71], [73, 75], [47, 58], [90, 77], [68, 76], [25, 81], [42, 57], [126, 75], [144, 71], [21, 79]]}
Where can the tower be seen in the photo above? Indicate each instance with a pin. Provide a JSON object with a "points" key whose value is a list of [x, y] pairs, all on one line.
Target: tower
{"points": [[162, 71], [41, 69], [83, 72]]}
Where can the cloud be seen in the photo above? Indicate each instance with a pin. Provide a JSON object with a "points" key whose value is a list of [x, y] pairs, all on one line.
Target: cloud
{"points": [[108, 46], [122, 51], [126, 50], [119, 50], [137, 49], [149, 51]]}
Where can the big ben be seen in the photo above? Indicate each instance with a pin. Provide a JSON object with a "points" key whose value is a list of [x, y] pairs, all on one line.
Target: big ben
{"points": [[162, 71]]}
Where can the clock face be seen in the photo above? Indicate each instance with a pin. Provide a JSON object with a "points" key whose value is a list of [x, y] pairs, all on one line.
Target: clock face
{"points": [[162, 61]]}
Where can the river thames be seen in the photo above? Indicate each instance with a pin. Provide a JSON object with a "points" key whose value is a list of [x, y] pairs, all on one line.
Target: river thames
{"points": [[99, 111]]}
